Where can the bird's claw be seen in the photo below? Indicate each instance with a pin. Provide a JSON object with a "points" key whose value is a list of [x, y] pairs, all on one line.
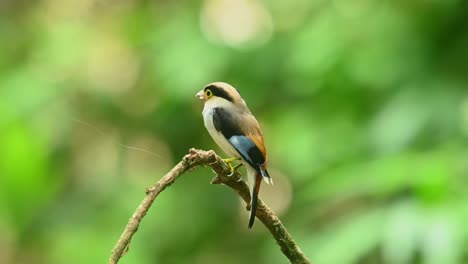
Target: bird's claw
{"points": [[233, 169]]}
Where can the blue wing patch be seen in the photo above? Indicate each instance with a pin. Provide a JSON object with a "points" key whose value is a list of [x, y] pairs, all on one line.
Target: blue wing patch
{"points": [[248, 150]]}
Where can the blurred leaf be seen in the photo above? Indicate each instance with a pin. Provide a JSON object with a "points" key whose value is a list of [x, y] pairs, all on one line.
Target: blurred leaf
{"points": [[26, 183], [338, 243]]}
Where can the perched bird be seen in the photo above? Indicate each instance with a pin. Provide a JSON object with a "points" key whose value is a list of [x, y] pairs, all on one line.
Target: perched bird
{"points": [[236, 131]]}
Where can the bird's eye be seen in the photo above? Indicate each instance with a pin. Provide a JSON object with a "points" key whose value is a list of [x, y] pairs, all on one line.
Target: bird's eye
{"points": [[208, 93]]}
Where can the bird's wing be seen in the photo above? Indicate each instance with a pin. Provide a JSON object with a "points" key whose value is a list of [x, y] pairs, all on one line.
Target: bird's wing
{"points": [[243, 132]]}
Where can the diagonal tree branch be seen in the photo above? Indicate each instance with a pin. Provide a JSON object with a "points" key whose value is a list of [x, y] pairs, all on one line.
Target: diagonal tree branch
{"points": [[208, 158]]}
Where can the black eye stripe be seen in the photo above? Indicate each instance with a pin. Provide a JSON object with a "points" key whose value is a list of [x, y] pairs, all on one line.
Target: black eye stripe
{"points": [[220, 92]]}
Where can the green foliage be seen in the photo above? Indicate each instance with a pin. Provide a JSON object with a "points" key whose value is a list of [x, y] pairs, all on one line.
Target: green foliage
{"points": [[363, 104]]}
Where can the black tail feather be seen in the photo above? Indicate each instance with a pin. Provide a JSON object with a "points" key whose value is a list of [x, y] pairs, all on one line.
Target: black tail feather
{"points": [[253, 209], [253, 202]]}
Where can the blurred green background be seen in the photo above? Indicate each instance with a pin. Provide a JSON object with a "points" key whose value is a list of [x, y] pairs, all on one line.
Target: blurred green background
{"points": [[364, 107]]}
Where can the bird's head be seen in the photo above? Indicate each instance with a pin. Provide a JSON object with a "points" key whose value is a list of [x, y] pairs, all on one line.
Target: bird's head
{"points": [[220, 93]]}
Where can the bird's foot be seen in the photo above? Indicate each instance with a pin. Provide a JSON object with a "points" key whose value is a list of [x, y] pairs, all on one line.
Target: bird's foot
{"points": [[232, 168]]}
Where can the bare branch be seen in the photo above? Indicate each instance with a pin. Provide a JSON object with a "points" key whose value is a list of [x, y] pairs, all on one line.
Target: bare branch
{"points": [[208, 158]]}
